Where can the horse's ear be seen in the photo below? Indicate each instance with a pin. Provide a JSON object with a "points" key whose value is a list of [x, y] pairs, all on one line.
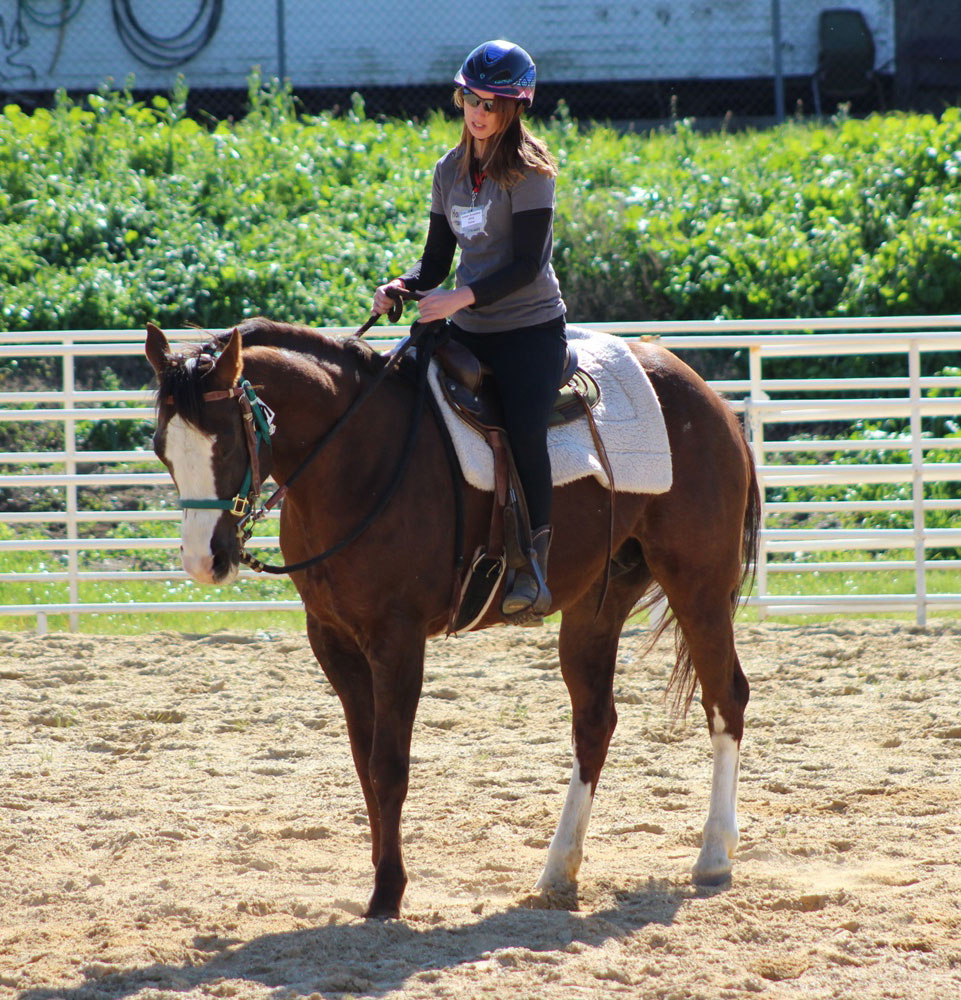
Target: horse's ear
{"points": [[157, 349], [230, 364]]}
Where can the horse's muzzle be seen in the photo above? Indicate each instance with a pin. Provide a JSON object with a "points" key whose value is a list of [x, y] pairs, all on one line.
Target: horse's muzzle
{"points": [[210, 568], [210, 554]]}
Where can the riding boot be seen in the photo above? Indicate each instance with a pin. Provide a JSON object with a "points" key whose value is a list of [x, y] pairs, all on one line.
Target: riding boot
{"points": [[529, 592]]}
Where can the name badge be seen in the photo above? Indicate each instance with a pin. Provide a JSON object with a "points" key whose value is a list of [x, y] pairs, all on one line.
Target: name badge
{"points": [[472, 219], [469, 221]]}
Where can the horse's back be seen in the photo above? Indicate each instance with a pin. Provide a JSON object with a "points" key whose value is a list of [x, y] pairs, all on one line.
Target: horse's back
{"points": [[689, 403]]}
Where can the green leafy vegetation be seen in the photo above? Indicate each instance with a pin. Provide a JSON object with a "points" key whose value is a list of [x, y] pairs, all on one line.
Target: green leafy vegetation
{"points": [[113, 212]]}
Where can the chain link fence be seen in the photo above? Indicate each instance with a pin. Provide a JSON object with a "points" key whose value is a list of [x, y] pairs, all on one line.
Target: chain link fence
{"points": [[619, 60]]}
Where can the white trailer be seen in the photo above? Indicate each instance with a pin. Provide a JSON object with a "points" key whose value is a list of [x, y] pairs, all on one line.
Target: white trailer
{"points": [[80, 44]]}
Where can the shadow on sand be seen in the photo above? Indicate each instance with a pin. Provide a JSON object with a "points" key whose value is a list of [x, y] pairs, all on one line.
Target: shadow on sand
{"points": [[371, 958]]}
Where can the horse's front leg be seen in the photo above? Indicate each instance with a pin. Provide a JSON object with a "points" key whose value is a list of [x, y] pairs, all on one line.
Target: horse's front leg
{"points": [[348, 671], [397, 666]]}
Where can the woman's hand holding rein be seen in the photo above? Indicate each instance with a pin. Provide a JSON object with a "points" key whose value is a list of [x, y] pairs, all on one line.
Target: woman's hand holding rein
{"points": [[435, 305], [382, 299]]}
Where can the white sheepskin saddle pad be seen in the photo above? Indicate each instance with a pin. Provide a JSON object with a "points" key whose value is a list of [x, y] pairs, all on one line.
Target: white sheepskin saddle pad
{"points": [[628, 417]]}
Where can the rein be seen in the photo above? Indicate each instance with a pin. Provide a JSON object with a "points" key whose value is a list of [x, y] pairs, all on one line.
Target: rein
{"points": [[393, 361], [245, 526], [258, 422]]}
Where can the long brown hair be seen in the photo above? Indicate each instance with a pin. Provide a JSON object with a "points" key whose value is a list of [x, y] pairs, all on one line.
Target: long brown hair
{"points": [[512, 150]]}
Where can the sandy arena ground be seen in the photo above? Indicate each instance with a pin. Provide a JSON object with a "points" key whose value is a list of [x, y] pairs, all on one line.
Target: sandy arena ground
{"points": [[179, 817]]}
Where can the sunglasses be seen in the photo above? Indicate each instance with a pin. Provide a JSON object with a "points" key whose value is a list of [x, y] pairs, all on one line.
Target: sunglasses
{"points": [[474, 101]]}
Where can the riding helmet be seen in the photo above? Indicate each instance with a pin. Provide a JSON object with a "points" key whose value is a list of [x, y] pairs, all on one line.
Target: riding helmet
{"points": [[501, 68]]}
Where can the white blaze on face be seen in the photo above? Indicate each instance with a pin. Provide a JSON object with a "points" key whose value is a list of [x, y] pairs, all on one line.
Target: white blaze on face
{"points": [[189, 453]]}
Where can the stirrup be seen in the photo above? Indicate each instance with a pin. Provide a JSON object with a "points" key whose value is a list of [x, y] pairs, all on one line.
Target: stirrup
{"points": [[529, 591], [524, 595]]}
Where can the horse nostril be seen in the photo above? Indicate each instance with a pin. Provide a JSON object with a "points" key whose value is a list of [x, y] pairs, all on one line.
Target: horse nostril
{"points": [[220, 564]]}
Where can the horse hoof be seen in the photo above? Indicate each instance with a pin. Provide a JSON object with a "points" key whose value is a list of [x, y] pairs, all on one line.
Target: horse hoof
{"points": [[714, 878], [713, 865], [556, 889], [712, 870], [555, 898], [379, 909]]}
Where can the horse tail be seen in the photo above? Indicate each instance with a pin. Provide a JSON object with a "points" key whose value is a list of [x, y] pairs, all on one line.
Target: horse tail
{"points": [[751, 538], [683, 682]]}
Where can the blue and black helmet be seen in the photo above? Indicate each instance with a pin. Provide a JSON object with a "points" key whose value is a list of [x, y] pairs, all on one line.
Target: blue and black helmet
{"points": [[501, 68]]}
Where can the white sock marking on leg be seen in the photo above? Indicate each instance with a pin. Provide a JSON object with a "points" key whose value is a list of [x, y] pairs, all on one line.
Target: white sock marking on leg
{"points": [[567, 845], [720, 830]]}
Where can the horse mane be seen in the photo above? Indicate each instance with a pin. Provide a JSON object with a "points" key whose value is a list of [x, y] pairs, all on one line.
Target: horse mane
{"points": [[262, 332], [182, 379]]}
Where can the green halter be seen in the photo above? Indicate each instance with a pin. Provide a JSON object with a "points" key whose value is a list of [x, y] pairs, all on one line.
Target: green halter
{"points": [[258, 426]]}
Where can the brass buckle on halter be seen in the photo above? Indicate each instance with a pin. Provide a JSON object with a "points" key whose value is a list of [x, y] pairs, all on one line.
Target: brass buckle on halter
{"points": [[241, 506]]}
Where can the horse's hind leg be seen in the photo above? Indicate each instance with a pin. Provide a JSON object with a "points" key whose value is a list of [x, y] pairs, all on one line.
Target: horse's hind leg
{"points": [[588, 653], [724, 695], [704, 617]]}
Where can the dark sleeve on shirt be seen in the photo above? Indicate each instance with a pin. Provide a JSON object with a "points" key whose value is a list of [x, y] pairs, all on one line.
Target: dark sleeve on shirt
{"points": [[529, 234], [434, 265]]}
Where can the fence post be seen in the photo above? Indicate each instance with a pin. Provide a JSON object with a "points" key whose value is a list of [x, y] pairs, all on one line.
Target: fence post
{"points": [[281, 41], [917, 482], [70, 467], [754, 426], [776, 45]]}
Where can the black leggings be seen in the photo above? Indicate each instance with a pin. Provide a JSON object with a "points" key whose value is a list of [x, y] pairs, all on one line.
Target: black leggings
{"points": [[528, 364]]}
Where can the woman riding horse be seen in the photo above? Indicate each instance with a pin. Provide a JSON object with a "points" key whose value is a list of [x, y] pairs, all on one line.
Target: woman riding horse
{"points": [[493, 197]]}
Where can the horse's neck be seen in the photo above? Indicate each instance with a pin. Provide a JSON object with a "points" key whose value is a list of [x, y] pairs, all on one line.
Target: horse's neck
{"points": [[307, 393]]}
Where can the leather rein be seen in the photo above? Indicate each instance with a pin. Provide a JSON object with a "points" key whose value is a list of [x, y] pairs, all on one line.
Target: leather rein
{"points": [[258, 424]]}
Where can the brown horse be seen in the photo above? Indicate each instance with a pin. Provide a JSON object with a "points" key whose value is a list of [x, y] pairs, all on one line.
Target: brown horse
{"points": [[371, 606]]}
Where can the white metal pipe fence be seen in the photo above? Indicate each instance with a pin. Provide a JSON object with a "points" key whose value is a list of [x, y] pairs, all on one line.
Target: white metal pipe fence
{"points": [[94, 543]]}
